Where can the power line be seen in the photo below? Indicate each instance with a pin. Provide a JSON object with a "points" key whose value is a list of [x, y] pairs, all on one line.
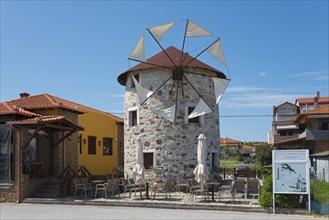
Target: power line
{"points": [[231, 116]]}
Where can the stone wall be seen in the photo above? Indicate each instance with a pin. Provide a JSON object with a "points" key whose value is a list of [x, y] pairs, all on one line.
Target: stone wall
{"points": [[120, 142], [174, 144]]}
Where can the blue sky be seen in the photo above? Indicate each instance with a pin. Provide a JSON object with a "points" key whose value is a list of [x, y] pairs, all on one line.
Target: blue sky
{"points": [[276, 51]]}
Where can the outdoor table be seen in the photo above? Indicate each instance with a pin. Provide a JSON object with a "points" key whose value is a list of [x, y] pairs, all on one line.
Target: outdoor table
{"points": [[212, 183]]}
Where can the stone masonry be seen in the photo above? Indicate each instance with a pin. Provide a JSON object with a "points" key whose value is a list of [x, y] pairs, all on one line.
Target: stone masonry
{"points": [[174, 144]]}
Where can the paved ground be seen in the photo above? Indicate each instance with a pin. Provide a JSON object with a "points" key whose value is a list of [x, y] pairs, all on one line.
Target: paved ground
{"points": [[59, 211]]}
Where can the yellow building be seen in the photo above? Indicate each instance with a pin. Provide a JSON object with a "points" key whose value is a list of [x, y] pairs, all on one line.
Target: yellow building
{"points": [[101, 143], [99, 146]]}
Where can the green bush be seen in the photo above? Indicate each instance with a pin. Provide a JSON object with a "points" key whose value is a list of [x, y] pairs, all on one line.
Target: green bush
{"points": [[265, 199], [281, 200], [322, 191]]}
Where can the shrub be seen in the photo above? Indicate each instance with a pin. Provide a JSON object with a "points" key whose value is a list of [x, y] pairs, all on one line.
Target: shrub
{"points": [[281, 200], [265, 199], [322, 192]]}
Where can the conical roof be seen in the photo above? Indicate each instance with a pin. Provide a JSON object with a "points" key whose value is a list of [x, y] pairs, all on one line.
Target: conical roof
{"points": [[161, 60]]}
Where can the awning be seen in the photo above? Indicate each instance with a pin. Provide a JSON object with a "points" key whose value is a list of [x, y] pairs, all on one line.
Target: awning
{"points": [[286, 127]]}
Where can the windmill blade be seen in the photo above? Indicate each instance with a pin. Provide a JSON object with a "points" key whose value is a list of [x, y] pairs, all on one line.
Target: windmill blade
{"points": [[142, 93], [216, 50], [138, 54], [159, 31], [194, 30], [220, 86], [196, 91], [202, 108], [141, 103], [168, 113], [194, 58]]}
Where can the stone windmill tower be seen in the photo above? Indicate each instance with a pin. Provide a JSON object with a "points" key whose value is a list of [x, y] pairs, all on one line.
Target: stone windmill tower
{"points": [[170, 99]]}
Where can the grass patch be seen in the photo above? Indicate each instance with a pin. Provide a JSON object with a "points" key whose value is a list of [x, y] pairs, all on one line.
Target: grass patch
{"points": [[322, 192], [228, 163]]}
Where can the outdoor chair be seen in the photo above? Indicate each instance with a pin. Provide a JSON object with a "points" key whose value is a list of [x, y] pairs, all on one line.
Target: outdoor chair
{"points": [[164, 189], [196, 189], [238, 186], [105, 187], [82, 185], [224, 191], [127, 187], [181, 183], [253, 187], [115, 188]]}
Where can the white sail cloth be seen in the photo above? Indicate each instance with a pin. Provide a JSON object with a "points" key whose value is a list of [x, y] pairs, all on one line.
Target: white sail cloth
{"points": [[220, 86], [168, 113], [216, 50], [142, 93], [139, 169], [201, 171], [201, 109], [138, 53], [159, 31], [194, 30]]}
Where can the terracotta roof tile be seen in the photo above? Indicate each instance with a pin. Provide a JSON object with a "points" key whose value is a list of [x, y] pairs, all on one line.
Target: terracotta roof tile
{"points": [[161, 59], [48, 101], [321, 110], [322, 100], [247, 147], [44, 120], [6, 108], [228, 140]]}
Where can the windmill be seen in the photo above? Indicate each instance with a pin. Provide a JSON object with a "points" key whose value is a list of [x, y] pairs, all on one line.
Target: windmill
{"points": [[180, 63], [171, 97]]}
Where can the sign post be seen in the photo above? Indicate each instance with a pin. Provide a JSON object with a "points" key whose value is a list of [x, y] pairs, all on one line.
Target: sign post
{"points": [[291, 173]]}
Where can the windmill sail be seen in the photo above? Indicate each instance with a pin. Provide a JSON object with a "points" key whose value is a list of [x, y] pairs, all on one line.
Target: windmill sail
{"points": [[194, 30], [168, 113], [159, 31], [220, 87], [138, 53], [201, 109], [216, 50], [142, 93]]}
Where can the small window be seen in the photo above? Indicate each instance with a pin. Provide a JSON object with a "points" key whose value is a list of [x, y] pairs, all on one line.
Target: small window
{"points": [[132, 120], [192, 120], [107, 146], [31, 152], [325, 126], [148, 160], [91, 145]]}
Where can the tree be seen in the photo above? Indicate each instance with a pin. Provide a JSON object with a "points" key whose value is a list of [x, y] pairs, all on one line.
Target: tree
{"points": [[264, 154], [249, 143], [227, 151]]}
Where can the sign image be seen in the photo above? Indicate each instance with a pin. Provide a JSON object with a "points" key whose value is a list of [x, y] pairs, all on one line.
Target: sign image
{"points": [[290, 177]]}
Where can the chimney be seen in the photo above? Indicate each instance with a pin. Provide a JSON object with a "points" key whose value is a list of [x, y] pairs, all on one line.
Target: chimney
{"points": [[24, 94], [316, 99]]}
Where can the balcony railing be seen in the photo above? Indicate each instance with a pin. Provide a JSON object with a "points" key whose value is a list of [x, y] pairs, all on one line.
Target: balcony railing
{"points": [[284, 138]]}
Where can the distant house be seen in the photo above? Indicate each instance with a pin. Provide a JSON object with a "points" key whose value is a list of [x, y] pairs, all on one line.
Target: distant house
{"points": [[307, 104], [248, 151], [283, 126], [315, 135], [322, 165], [229, 147], [43, 136]]}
